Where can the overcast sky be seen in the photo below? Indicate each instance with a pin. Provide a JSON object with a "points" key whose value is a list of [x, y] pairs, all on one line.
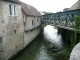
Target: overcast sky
{"points": [[50, 5]]}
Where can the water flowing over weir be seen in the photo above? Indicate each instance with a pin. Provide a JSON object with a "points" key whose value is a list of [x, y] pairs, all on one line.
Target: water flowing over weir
{"points": [[51, 35]]}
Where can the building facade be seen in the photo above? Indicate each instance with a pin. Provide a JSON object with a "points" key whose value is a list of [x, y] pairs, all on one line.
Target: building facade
{"points": [[32, 22], [17, 27]]}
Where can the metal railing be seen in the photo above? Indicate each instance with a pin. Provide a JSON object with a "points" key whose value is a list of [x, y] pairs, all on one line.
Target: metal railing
{"points": [[61, 18]]}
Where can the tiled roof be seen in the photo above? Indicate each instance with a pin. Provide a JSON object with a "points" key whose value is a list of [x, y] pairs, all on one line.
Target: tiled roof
{"points": [[29, 10]]}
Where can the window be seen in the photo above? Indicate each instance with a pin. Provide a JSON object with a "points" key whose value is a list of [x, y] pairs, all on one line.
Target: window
{"points": [[24, 23], [37, 19], [32, 22], [10, 9], [14, 31], [13, 10]]}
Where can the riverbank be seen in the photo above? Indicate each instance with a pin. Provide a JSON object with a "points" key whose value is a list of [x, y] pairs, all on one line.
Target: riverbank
{"points": [[40, 48]]}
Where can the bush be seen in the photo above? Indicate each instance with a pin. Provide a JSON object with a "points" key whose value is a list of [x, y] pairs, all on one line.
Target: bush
{"points": [[63, 54], [77, 22]]}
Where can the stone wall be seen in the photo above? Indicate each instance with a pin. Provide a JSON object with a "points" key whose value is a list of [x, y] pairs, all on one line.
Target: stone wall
{"points": [[12, 35], [1, 21], [12, 31], [29, 36], [28, 22]]}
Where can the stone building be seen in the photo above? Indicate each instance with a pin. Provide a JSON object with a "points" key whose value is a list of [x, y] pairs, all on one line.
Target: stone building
{"points": [[31, 16], [19, 25], [32, 22]]}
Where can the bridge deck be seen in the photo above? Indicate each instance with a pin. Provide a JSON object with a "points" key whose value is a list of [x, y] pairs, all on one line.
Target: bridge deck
{"points": [[67, 28]]}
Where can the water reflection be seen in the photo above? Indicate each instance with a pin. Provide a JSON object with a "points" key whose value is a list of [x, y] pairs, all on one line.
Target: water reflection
{"points": [[37, 50], [43, 54]]}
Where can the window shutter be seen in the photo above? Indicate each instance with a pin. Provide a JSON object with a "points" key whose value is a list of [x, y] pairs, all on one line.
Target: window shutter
{"points": [[16, 10], [12, 8]]}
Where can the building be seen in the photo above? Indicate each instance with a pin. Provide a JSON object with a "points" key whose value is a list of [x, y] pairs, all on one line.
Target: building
{"points": [[32, 21], [75, 6], [19, 25], [66, 9]]}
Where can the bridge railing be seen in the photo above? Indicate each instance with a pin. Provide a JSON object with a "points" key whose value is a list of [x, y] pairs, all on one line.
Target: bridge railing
{"points": [[61, 18]]}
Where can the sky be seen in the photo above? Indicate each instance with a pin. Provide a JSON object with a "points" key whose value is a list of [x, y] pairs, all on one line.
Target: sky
{"points": [[50, 5]]}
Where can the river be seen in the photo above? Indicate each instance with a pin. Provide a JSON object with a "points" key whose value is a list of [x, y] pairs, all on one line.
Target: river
{"points": [[39, 49]]}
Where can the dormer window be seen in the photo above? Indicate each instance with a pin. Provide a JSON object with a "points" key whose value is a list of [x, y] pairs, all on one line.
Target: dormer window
{"points": [[13, 10]]}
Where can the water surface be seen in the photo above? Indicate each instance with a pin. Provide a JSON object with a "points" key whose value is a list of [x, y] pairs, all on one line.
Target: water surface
{"points": [[39, 49]]}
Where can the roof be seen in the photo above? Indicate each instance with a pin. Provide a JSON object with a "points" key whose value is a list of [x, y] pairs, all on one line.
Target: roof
{"points": [[76, 5], [65, 9], [29, 10], [13, 1]]}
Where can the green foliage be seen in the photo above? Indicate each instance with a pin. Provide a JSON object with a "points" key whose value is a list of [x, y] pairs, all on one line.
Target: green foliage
{"points": [[66, 24], [76, 30], [63, 54], [47, 13], [44, 25], [72, 41], [77, 22]]}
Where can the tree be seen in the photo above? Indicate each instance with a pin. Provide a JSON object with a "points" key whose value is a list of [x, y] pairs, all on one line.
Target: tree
{"points": [[47, 13], [77, 22]]}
